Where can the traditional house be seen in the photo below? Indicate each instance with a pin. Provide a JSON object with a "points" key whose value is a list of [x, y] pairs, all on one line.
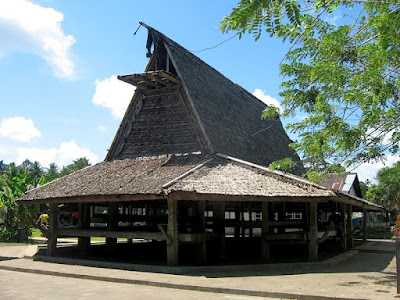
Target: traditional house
{"points": [[188, 166]]}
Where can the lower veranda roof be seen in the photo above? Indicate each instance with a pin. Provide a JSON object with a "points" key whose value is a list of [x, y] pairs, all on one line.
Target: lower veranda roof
{"points": [[187, 177]]}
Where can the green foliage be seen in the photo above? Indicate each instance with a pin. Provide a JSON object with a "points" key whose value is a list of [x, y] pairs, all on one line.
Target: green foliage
{"points": [[285, 165], [365, 186], [15, 180], [343, 78], [387, 191], [77, 164], [18, 218]]}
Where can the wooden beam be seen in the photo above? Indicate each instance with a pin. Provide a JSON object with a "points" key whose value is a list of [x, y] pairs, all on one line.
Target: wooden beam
{"points": [[99, 198], [219, 226], [343, 220], [192, 238], [364, 225], [202, 246], [349, 226], [112, 221], [300, 236], [53, 228], [84, 223], [162, 81], [170, 77], [172, 230], [183, 195], [313, 232], [265, 249]]}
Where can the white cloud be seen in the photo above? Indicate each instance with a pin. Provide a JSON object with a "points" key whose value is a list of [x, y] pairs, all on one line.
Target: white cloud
{"points": [[19, 129], [260, 94], [369, 170], [28, 27], [102, 128], [63, 155], [113, 94]]}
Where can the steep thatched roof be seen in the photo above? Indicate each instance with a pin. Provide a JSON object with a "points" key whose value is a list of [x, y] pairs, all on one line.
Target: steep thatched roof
{"points": [[183, 115], [183, 105]]}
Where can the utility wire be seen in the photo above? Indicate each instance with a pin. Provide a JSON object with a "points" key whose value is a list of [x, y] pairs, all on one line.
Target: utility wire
{"points": [[223, 42]]}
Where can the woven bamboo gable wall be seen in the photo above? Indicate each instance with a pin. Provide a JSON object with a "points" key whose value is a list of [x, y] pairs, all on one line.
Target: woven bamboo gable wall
{"points": [[159, 124]]}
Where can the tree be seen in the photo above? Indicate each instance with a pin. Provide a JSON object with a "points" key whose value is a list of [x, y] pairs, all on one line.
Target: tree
{"points": [[18, 218], [52, 172], [34, 170], [77, 164], [344, 78], [387, 191]]}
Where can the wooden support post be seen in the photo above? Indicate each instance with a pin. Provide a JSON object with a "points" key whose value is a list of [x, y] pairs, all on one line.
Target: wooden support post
{"points": [[238, 212], [84, 223], [112, 221], [53, 228], [344, 222], [364, 225], [202, 247], [219, 226], [313, 233], [250, 219], [265, 250], [349, 226], [172, 230]]}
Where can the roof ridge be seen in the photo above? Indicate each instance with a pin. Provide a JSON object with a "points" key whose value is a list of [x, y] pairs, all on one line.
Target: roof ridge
{"points": [[187, 173], [286, 175]]}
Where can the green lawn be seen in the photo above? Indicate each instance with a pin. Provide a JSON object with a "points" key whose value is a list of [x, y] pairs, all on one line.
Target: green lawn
{"points": [[36, 233]]}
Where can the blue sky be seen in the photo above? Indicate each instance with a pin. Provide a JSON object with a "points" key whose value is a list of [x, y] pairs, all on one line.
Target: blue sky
{"points": [[60, 99]]}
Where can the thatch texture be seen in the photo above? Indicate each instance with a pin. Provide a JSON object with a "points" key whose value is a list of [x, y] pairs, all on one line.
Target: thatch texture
{"points": [[225, 177], [140, 176], [231, 115], [192, 177], [208, 113]]}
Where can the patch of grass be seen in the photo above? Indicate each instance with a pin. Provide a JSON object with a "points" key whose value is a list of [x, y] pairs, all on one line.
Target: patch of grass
{"points": [[379, 232], [12, 244], [36, 232]]}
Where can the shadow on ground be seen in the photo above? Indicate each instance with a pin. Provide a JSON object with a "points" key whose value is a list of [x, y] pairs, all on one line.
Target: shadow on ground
{"points": [[151, 257]]}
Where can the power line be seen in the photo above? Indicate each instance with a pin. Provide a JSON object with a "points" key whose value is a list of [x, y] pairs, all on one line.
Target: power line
{"points": [[209, 48]]}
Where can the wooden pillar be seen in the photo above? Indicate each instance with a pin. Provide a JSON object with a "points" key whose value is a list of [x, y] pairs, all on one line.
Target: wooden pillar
{"points": [[172, 230], [250, 220], [265, 250], [349, 221], [364, 226], [344, 222], [219, 226], [313, 233], [112, 221], [238, 213], [53, 229], [202, 247], [84, 223]]}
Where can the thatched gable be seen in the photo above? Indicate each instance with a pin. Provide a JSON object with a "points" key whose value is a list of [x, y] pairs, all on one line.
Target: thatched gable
{"points": [[183, 105]]}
